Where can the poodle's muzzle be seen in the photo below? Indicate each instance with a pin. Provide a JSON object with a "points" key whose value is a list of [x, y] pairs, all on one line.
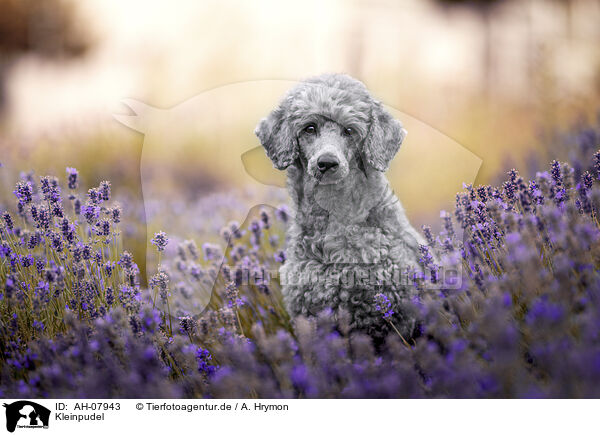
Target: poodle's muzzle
{"points": [[328, 163]]}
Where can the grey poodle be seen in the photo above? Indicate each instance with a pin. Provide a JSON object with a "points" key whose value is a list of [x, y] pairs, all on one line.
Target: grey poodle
{"points": [[349, 238]]}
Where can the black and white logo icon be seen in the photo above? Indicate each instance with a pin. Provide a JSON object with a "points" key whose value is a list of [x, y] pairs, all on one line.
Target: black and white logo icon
{"points": [[26, 415]]}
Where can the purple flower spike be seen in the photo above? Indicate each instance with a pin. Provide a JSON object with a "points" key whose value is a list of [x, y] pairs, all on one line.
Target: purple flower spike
{"points": [[72, 178], [160, 240], [383, 305]]}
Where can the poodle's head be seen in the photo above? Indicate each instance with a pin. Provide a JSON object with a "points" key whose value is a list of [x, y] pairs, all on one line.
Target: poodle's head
{"points": [[330, 125]]}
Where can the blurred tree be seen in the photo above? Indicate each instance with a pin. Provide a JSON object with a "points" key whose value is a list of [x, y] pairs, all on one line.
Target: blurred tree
{"points": [[485, 9], [47, 28]]}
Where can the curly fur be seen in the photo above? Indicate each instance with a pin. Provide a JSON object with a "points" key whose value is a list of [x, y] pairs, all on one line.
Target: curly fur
{"points": [[349, 238]]}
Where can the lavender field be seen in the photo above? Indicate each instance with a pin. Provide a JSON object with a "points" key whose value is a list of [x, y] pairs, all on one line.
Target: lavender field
{"points": [[76, 320]]}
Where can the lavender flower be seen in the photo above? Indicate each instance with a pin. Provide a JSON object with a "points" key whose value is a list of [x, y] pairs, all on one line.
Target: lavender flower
{"points": [[50, 189], [103, 227], [126, 260], [211, 251], [192, 249], [282, 213], [205, 365], [72, 178], [116, 214], [24, 192], [556, 173], [232, 296], [235, 230], [160, 240], [187, 325], [94, 196], [43, 218], [104, 190], [160, 281], [109, 296], [265, 219], [77, 206], [447, 220], [587, 180], [509, 190], [428, 234], [91, 212], [383, 305], [279, 256], [8, 222]]}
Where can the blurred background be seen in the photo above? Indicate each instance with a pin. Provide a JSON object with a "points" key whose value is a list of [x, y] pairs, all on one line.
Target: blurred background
{"points": [[494, 80]]}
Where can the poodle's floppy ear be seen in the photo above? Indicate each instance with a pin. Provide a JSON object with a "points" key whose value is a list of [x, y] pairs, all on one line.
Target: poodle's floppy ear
{"points": [[384, 138], [277, 138]]}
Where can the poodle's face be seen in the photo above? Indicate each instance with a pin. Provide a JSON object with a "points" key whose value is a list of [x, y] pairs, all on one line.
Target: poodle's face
{"points": [[329, 125], [328, 149]]}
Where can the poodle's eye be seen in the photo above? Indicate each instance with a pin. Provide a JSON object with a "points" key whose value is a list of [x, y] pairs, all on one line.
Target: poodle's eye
{"points": [[348, 131], [310, 129]]}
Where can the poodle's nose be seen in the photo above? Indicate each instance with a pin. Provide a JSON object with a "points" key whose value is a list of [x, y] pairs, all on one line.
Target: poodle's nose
{"points": [[327, 162]]}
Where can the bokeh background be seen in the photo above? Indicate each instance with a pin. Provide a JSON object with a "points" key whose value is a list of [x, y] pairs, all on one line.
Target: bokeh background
{"points": [[496, 79]]}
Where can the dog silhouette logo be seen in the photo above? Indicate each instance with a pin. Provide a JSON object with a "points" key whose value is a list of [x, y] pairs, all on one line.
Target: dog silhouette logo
{"points": [[26, 414]]}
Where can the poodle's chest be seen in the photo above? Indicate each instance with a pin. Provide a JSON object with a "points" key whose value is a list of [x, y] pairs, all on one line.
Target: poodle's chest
{"points": [[351, 244]]}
